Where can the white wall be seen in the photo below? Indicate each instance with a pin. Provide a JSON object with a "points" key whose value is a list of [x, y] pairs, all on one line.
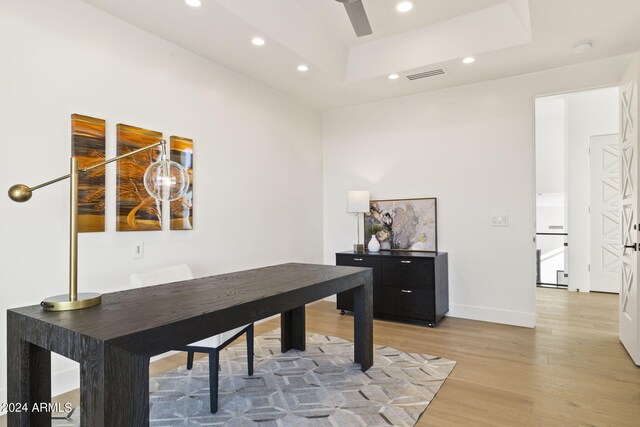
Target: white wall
{"points": [[588, 113], [473, 148], [258, 156], [550, 134], [550, 212]]}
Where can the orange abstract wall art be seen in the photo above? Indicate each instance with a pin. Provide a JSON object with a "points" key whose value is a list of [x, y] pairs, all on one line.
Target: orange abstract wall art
{"points": [[88, 146], [182, 209], [136, 210]]}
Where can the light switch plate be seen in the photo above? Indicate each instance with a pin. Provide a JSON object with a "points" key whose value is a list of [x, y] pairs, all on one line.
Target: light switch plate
{"points": [[138, 250], [500, 220]]}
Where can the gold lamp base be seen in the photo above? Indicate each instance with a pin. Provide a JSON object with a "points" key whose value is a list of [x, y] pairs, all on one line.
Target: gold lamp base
{"points": [[358, 248], [62, 302]]}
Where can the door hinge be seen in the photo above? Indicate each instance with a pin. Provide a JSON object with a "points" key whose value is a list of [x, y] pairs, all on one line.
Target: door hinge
{"points": [[589, 267]]}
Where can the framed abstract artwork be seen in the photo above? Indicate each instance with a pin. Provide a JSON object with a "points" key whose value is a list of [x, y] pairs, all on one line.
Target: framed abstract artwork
{"points": [[404, 224], [136, 210], [88, 146], [181, 212]]}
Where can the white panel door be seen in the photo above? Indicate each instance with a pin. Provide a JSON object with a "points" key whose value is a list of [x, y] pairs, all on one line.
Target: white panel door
{"points": [[629, 330], [605, 250]]}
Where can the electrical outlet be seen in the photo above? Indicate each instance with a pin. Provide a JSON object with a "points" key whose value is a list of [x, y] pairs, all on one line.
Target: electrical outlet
{"points": [[500, 221], [138, 250]]}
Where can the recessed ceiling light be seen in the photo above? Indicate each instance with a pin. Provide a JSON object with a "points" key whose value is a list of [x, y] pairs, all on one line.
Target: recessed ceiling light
{"points": [[194, 3], [258, 41], [393, 76], [469, 60], [404, 6], [302, 68], [582, 47]]}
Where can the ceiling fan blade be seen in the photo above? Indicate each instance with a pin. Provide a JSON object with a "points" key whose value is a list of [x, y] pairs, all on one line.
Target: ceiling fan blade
{"points": [[358, 17]]}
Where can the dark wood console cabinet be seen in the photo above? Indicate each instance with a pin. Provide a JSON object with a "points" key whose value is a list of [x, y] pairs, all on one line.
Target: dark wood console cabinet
{"points": [[407, 286]]}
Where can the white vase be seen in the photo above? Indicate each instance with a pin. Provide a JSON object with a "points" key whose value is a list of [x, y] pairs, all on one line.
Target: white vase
{"points": [[374, 245]]}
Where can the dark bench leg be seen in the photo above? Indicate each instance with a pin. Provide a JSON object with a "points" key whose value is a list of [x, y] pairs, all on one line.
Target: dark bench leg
{"points": [[189, 360], [363, 325], [250, 350], [292, 325], [28, 378], [213, 380], [114, 387]]}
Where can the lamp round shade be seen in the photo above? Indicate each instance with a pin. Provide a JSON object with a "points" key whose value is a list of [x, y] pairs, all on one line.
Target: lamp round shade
{"points": [[166, 180], [358, 201]]}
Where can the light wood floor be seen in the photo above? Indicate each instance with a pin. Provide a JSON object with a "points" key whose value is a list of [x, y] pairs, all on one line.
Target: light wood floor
{"points": [[570, 370]]}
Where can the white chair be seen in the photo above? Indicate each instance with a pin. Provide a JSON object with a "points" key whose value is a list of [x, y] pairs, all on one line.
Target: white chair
{"points": [[212, 345]]}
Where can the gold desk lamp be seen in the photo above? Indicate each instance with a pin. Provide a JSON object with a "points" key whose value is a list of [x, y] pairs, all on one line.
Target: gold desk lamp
{"points": [[164, 180]]}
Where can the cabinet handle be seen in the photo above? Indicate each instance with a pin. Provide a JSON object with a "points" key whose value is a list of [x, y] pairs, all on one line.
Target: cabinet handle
{"points": [[357, 259], [405, 262], [407, 291]]}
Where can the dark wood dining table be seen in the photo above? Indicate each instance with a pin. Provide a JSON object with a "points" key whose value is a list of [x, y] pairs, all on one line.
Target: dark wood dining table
{"points": [[113, 342]]}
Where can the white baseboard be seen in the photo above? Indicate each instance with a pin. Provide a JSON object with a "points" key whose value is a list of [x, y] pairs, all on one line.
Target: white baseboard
{"points": [[486, 314], [493, 315]]}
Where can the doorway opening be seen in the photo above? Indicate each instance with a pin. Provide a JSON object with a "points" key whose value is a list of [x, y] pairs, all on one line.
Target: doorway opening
{"points": [[577, 190]]}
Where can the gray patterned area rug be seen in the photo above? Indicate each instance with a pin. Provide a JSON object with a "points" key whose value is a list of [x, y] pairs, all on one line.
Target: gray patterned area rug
{"points": [[317, 387]]}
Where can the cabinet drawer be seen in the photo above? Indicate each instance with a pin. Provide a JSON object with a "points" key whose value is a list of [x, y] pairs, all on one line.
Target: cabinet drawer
{"points": [[357, 260], [408, 303], [345, 299], [406, 272]]}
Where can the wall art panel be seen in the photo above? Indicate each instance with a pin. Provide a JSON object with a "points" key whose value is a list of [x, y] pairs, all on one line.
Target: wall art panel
{"points": [[88, 146], [136, 210], [182, 209]]}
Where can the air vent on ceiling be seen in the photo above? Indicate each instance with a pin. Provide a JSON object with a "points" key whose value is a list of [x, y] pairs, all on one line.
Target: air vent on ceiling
{"points": [[426, 74]]}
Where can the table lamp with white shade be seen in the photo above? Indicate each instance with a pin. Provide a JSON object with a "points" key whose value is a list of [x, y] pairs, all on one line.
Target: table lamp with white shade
{"points": [[358, 203]]}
